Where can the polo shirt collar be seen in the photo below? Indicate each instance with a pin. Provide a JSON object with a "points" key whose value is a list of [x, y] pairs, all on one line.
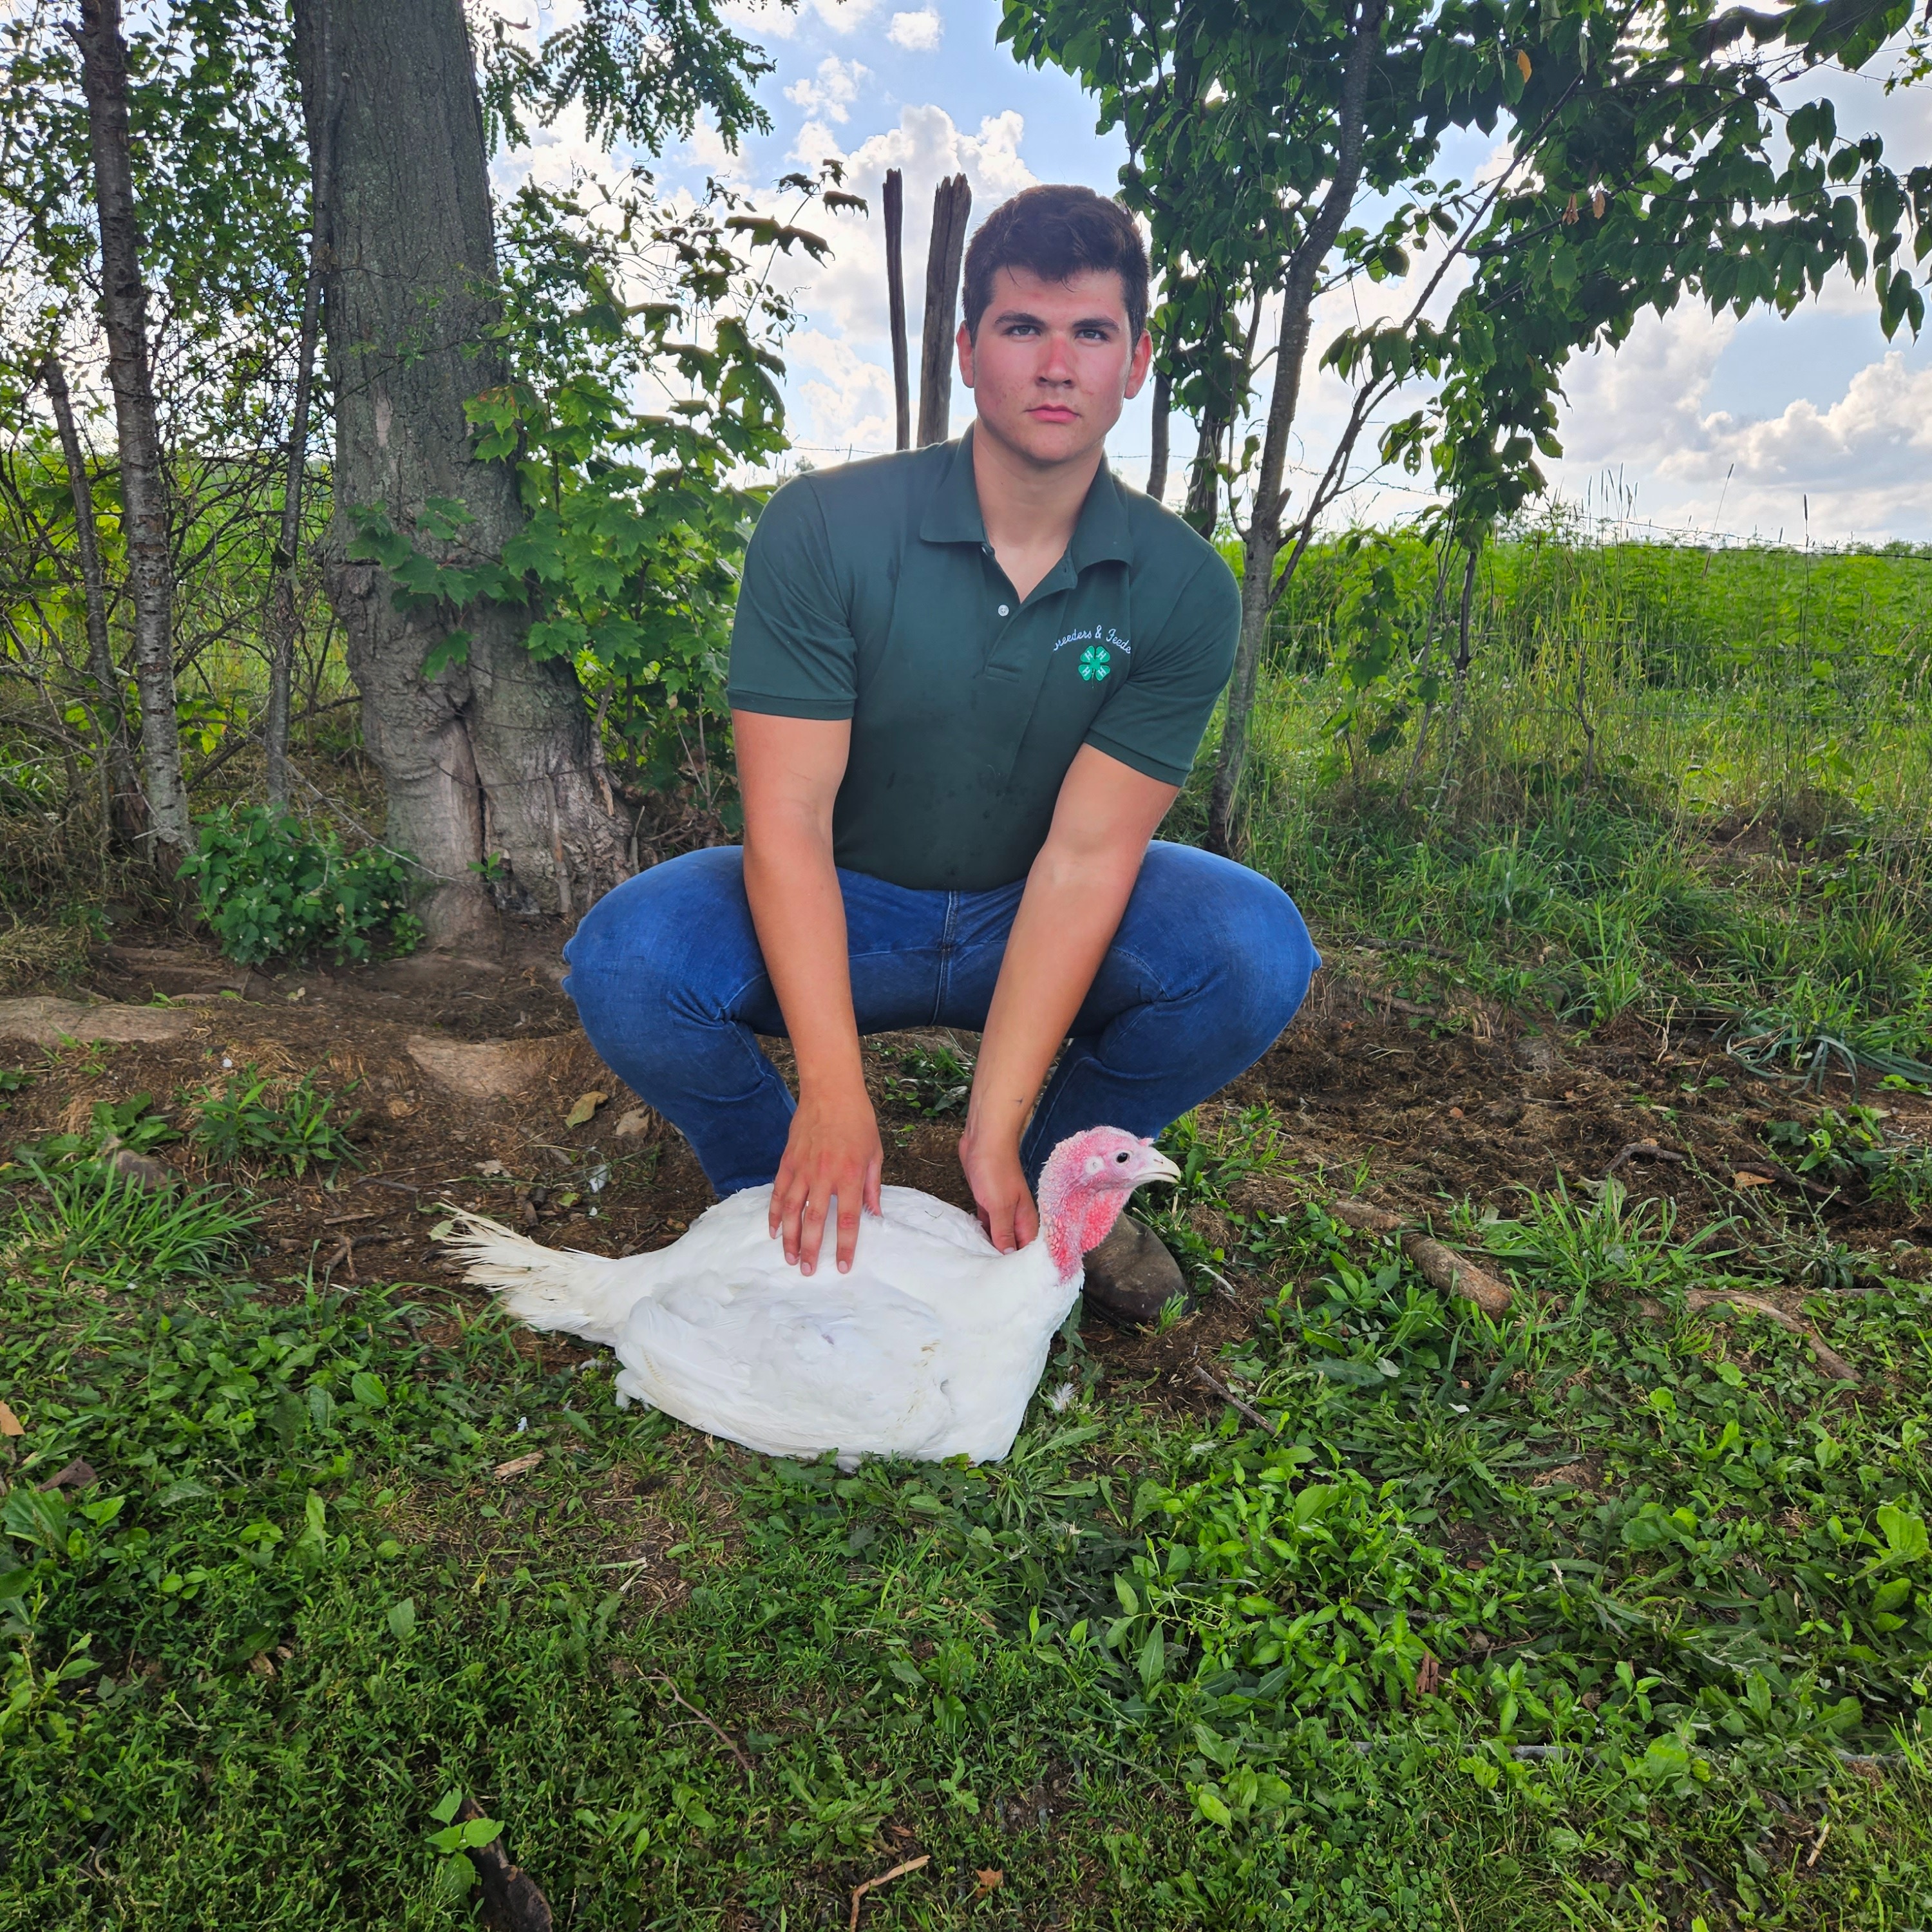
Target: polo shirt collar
{"points": [[952, 515]]}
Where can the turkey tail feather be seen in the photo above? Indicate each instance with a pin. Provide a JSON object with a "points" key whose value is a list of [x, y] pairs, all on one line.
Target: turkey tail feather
{"points": [[548, 1288]]}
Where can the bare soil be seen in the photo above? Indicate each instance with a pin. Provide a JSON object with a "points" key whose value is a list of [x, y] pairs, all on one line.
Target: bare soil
{"points": [[1411, 1110]]}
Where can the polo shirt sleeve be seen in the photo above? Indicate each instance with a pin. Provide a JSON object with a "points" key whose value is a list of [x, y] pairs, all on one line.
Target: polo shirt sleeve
{"points": [[1153, 723], [793, 652]]}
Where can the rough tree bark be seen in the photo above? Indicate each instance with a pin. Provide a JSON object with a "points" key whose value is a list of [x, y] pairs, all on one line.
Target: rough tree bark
{"points": [[127, 813], [1203, 506], [498, 755], [144, 496], [282, 593], [1264, 534]]}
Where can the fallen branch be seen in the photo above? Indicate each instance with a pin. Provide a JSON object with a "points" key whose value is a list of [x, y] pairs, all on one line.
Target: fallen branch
{"points": [[1828, 1358], [859, 1892], [723, 1736], [1643, 1150], [1233, 1401], [1441, 1267]]}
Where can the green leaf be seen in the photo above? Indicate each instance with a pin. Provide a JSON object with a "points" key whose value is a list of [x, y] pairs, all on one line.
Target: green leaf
{"points": [[402, 1619], [1905, 1535], [452, 648]]}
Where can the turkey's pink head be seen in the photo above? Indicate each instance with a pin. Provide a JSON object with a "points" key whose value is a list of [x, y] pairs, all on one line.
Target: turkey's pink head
{"points": [[1085, 1185]]}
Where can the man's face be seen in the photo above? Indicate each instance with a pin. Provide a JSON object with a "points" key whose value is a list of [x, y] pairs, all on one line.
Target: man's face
{"points": [[1053, 363]]}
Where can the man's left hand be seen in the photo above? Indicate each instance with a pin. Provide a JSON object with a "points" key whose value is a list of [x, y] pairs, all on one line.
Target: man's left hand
{"points": [[998, 1182]]}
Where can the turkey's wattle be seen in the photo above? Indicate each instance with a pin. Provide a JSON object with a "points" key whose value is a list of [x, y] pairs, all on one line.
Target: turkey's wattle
{"points": [[930, 1347]]}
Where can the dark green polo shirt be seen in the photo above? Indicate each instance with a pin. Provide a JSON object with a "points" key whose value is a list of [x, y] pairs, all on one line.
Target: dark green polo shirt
{"points": [[870, 592]]}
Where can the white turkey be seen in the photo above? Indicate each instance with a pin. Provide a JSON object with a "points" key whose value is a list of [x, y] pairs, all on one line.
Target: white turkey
{"points": [[930, 1347]]}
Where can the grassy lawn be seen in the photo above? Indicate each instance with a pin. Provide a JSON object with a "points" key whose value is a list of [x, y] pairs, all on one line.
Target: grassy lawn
{"points": [[1619, 1614]]}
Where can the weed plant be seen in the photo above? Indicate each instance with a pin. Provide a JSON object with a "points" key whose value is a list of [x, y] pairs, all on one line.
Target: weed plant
{"points": [[1596, 1620], [253, 1119]]}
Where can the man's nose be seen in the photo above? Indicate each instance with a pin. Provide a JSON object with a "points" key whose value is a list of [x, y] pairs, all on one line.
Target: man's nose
{"points": [[1055, 366]]}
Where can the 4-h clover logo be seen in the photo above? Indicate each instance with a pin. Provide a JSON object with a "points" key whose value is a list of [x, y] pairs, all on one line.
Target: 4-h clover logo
{"points": [[1095, 663]]}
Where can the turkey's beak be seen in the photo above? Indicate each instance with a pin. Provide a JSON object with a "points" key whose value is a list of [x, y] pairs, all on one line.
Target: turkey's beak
{"points": [[1155, 1166]]}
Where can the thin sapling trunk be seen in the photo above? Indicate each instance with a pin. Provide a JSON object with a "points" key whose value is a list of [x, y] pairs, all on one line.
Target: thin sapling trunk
{"points": [[127, 813], [144, 495], [1264, 534]]}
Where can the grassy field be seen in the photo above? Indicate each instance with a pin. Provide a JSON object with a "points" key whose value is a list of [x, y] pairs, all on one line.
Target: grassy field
{"points": [[1616, 1614]]}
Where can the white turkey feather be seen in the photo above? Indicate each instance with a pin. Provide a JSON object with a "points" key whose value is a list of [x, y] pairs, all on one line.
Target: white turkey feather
{"points": [[930, 1346]]}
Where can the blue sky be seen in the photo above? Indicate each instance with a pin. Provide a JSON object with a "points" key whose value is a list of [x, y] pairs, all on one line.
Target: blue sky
{"points": [[1696, 423]]}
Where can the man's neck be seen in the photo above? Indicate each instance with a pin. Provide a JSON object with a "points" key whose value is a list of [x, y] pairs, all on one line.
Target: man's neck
{"points": [[1029, 508]]}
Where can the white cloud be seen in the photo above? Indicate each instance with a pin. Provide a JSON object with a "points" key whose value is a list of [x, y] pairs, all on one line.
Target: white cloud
{"points": [[918, 33], [705, 149], [833, 93], [1849, 465], [816, 142]]}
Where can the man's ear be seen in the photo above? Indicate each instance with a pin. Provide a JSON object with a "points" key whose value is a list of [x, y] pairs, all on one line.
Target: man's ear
{"points": [[965, 339], [1141, 361]]}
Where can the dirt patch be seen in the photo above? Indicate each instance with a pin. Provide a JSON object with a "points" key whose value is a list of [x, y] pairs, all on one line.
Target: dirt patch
{"points": [[466, 1072]]}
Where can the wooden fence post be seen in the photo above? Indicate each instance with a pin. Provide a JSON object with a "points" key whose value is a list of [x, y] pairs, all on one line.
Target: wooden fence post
{"points": [[895, 303], [951, 203]]}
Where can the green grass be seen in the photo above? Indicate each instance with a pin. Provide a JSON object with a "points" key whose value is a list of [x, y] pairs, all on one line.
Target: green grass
{"points": [[1597, 1620], [1684, 783]]}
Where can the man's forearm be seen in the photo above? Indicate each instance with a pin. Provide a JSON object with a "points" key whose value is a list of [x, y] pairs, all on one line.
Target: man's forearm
{"points": [[793, 886], [1067, 918]]}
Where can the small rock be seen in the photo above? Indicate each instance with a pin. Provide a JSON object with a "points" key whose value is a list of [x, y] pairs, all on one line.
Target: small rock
{"points": [[143, 1170], [485, 1070], [637, 1121]]}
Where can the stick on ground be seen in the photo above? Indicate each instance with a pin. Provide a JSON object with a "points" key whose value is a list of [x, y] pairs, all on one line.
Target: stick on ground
{"points": [[1441, 1267], [859, 1892]]}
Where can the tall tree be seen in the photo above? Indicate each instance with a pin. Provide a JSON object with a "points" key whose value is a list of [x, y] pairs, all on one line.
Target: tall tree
{"points": [[177, 121], [1257, 129], [144, 489], [486, 751]]}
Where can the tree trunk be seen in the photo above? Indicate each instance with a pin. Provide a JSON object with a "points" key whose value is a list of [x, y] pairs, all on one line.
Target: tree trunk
{"points": [[127, 813], [1203, 506], [144, 497], [1163, 407], [1264, 534], [497, 754], [282, 593]]}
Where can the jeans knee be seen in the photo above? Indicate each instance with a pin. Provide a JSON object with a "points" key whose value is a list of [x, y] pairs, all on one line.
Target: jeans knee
{"points": [[1266, 957], [669, 934]]}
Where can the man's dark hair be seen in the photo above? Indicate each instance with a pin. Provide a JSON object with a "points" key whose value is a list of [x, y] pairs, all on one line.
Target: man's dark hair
{"points": [[1058, 232]]}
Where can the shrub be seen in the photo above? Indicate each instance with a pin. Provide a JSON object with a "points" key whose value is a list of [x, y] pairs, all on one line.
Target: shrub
{"points": [[288, 1127], [271, 886]]}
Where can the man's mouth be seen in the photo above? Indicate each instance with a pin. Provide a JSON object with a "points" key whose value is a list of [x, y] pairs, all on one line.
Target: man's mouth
{"points": [[1052, 412]]}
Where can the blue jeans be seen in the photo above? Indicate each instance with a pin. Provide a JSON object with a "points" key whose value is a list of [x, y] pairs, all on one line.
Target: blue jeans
{"points": [[1209, 964]]}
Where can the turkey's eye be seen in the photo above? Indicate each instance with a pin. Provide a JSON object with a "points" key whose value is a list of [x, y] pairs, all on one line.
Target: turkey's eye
{"points": [[1122, 1155]]}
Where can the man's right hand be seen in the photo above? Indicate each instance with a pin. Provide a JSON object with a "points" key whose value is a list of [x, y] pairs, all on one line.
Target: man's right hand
{"points": [[833, 1150]]}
